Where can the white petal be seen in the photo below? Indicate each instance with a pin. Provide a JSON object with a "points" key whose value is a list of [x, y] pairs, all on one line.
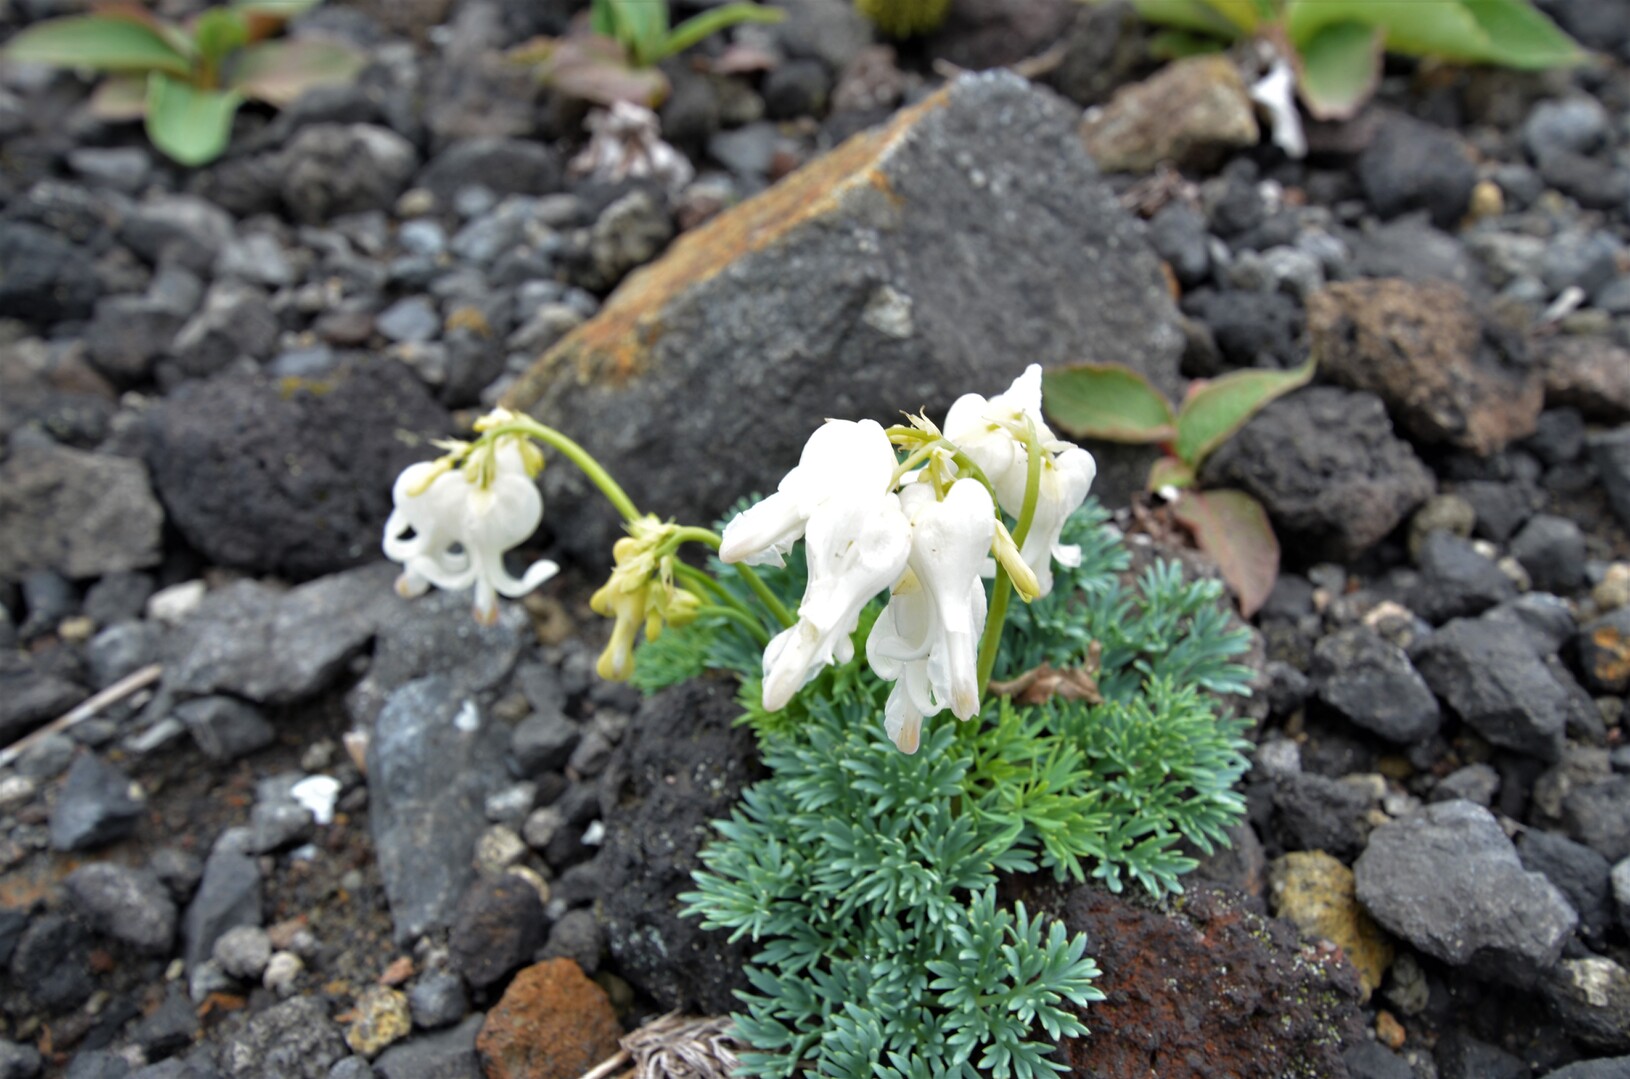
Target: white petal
{"points": [[901, 720], [1064, 487], [763, 533], [949, 543]]}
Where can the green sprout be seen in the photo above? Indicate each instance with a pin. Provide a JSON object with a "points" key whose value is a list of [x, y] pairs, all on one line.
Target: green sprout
{"points": [[1116, 404], [613, 58], [1336, 46], [188, 80]]}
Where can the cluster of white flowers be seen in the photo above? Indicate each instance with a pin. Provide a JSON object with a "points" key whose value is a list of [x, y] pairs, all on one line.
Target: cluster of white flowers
{"points": [[925, 535], [455, 517]]}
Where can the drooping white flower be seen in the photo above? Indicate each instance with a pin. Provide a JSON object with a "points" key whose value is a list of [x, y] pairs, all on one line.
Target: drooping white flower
{"points": [[992, 433], [842, 457], [927, 639], [461, 528], [856, 546]]}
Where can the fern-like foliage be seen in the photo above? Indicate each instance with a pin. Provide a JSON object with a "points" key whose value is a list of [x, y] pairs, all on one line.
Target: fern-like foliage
{"points": [[869, 877]]}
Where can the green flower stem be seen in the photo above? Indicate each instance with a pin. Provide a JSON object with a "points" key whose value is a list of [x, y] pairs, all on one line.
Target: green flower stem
{"points": [[526, 425], [746, 621], [703, 584], [991, 642], [693, 534]]}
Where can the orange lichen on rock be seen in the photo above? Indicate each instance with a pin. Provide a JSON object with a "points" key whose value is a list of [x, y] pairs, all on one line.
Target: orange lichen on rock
{"points": [[616, 343], [1610, 663], [553, 1023]]}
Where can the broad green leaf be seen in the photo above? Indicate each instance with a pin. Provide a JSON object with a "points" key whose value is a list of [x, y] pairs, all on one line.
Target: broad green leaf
{"points": [[1340, 68], [277, 72], [220, 31], [134, 12], [281, 9], [190, 125], [1196, 16], [1442, 28], [710, 22], [1170, 472], [641, 26], [1233, 528], [119, 97], [1181, 44], [1214, 410], [1094, 400], [1519, 35], [98, 42]]}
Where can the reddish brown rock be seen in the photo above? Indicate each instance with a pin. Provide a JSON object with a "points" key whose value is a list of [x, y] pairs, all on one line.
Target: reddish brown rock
{"points": [[1590, 373], [1445, 373], [553, 1023], [1210, 991]]}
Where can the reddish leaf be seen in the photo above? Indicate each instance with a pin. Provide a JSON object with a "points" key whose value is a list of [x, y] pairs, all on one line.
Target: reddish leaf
{"points": [[1233, 529], [1170, 472], [277, 72]]}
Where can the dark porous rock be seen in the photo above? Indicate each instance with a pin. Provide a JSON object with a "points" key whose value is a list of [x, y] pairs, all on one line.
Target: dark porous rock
{"points": [[225, 728], [290, 476], [499, 925], [578, 937], [1476, 783], [796, 88], [1591, 374], [1580, 873], [1501, 507], [51, 962], [1251, 329], [448, 1054], [436, 635], [682, 764], [1410, 165], [433, 761], [275, 647], [1611, 453], [122, 649], [1211, 988], [1604, 652], [1461, 1056], [1559, 436], [278, 824], [98, 804], [1448, 881], [1320, 813], [80, 514], [1591, 182], [118, 597], [1616, 1068], [228, 896], [235, 321], [1370, 682], [1180, 237], [1598, 815], [30, 695], [1489, 674], [177, 229], [1446, 374], [1326, 465], [293, 1040], [43, 277], [126, 904], [1574, 125], [97, 1064], [173, 1026], [1372, 1060], [1456, 580], [918, 261], [544, 742], [128, 335], [1412, 249], [1592, 998], [1189, 114], [1552, 550], [334, 169], [438, 1000], [1547, 619], [502, 166], [18, 1061]]}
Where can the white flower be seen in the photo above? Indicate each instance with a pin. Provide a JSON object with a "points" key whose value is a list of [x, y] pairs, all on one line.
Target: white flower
{"points": [[856, 546], [461, 528], [841, 458], [927, 639], [992, 433]]}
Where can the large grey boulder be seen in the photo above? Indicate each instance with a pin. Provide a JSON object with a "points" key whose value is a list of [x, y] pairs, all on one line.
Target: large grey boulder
{"points": [[933, 256]]}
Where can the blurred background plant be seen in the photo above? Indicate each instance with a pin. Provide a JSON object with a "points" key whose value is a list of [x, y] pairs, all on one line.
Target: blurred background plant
{"points": [[904, 18], [612, 56], [188, 80], [1116, 404]]}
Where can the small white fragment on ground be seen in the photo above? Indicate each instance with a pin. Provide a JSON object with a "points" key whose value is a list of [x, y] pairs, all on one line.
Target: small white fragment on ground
{"points": [[594, 834], [317, 794], [172, 605], [1275, 92], [468, 718]]}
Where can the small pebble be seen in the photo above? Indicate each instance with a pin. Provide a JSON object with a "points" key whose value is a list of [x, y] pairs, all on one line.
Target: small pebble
{"points": [[283, 973], [244, 952], [1388, 1031]]}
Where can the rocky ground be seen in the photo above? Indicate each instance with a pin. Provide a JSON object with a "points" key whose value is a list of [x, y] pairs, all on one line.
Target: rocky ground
{"points": [[307, 829]]}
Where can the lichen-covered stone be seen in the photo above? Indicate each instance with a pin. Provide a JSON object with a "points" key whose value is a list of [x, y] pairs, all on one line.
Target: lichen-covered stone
{"points": [[935, 255], [1315, 891]]}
